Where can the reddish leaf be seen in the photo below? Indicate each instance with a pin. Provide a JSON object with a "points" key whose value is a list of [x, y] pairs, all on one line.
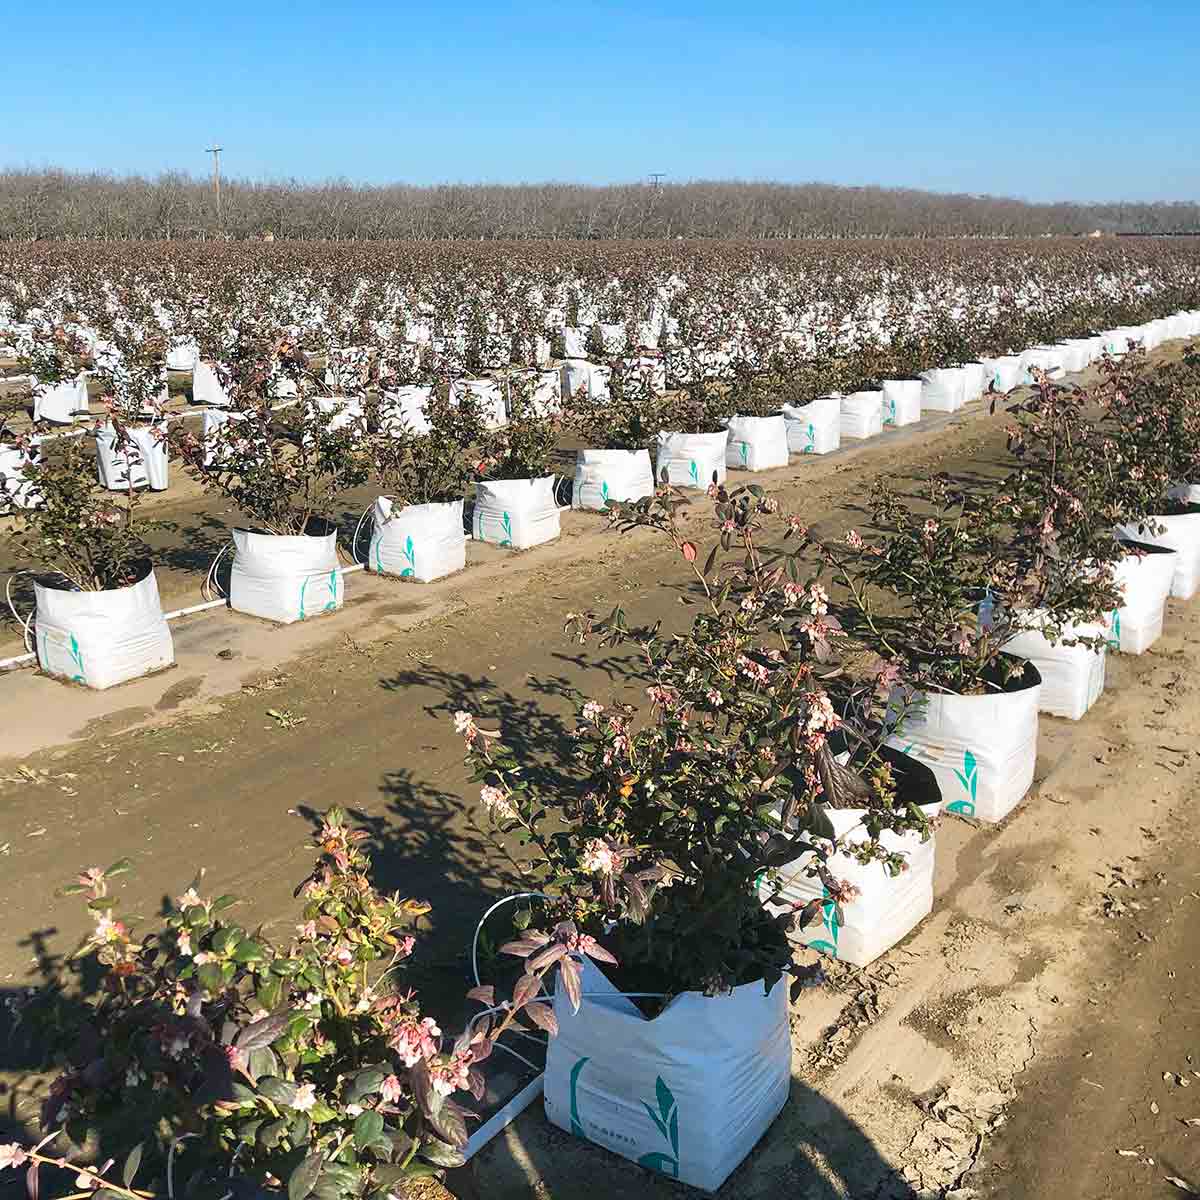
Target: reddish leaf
{"points": [[525, 989], [598, 952], [545, 957], [689, 551], [542, 1015], [485, 994], [571, 975]]}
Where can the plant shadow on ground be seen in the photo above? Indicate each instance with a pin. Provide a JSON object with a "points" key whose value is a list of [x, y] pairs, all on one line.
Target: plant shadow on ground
{"points": [[813, 1150]]}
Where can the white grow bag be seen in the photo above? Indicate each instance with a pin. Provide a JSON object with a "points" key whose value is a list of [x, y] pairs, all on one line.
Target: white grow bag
{"points": [[15, 489], [1004, 373], [901, 401], [183, 357], [142, 464], [1072, 676], [60, 402], [975, 381], [516, 513], [100, 639], [577, 373], [206, 387], [1181, 534], [886, 908], [603, 475], [285, 578], [814, 428], [488, 395], [687, 1094], [862, 415], [1047, 359], [942, 389], [981, 748], [757, 443], [420, 541], [1145, 582], [403, 410], [691, 459]]}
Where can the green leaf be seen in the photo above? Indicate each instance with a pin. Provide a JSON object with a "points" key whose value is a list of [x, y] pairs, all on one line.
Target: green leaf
{"points": [[304, 1178], [121, 867], [209, 977], [249, 952], [132, 1161], [443, 1155], [278, 1091], [269, 1135], [365, 1083], [367, 1129]]}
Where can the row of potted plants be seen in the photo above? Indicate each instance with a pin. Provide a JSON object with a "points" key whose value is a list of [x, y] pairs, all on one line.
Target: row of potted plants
{"points": [[780, 786], [287, 468]]}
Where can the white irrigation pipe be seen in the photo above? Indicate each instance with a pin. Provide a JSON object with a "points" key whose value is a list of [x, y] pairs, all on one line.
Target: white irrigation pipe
{"points": [[23, 660]]}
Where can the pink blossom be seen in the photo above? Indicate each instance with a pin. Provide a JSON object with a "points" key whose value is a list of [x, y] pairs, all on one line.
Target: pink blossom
{"points": [[818, 600], [414, 1040], [308, 931], [714, 697], [189, 899], [853, 540], [464, 724], [108, 930], [728, 525], [497, 803], [12, 1155], [598, 858], [930, 528], [592, 711], [391, 1089], [184, 942], [305, 1098], [453, 1074]]}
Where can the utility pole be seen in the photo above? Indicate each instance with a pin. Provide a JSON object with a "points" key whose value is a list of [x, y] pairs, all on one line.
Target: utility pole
{"points": [[656, 178], [215, 151]]}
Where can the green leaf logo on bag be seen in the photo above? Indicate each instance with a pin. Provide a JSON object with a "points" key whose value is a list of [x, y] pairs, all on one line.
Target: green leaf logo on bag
{"points": [[1114, 640], [969, 778], [667, 1121], [576, 1123], [694, 473], [744, 450], [332, 602], [890, 419], [410, 557], [811, 446], [830, 920], [604, 492], [506, 523]]}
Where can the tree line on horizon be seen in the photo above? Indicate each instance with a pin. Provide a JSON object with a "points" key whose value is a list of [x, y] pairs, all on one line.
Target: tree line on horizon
{"points": [[45, 204]]}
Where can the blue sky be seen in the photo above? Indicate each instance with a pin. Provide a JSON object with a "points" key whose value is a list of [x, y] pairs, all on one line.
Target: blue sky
{"points": [[1047, 101]]}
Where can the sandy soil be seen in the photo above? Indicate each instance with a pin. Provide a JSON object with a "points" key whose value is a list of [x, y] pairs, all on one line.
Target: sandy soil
{"points": [[955, 1062]]}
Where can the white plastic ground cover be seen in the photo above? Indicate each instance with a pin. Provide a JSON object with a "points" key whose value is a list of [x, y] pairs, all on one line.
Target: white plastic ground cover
{"points": [[981, 748], [488, 395], [757, 443], [901, 401], [816, 427], [516, 513], [691, 459], [141, 464], [603, 475], [206, 387], [577, 373], [1072, 676], [420, 541], [100, 639], [942, 389], [1145, 582], [862, 415], [16, 491], [886, 907], [285, 578], [1003, 373], [402, 410], [60, 402], [1181, 534], [687, 1094]]}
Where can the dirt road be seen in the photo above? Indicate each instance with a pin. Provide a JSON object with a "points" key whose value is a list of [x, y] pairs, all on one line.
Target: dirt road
{"points": [[956, 1061]]}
